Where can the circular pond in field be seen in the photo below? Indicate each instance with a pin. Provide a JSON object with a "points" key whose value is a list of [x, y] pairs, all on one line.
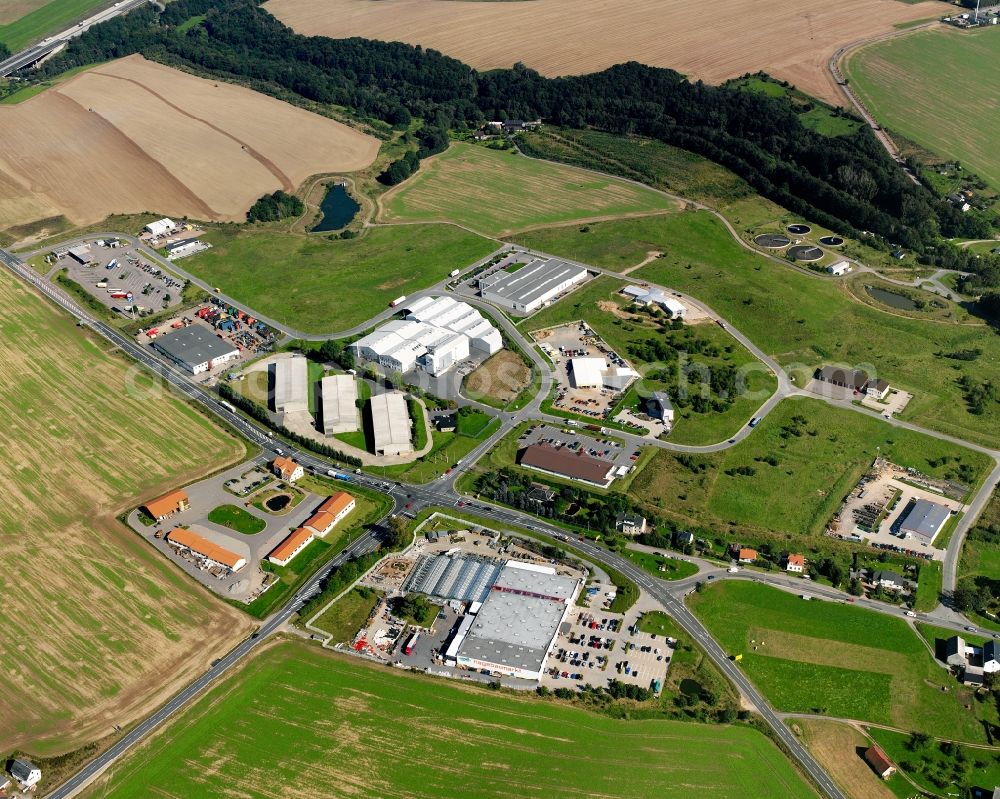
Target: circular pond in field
{"points": [[799, 230], [278, 502], [773, 241]]}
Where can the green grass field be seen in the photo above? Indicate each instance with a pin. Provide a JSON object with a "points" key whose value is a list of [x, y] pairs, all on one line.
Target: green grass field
{"points": [[111, 622], [803, 321], [51, 17], [837, 660], [933, 769], [599, 301], [660, 566], [235, 518], [820, 451], [317, 285], [495, 192], [921, 85], [345, 616], [322, 725]]}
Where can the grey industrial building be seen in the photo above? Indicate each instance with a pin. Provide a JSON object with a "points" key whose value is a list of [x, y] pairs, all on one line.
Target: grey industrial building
{"points": [[924, 520], [390, 421], [339, 402], [196, 349], [291, 385], [466, 578], [531, 286]]}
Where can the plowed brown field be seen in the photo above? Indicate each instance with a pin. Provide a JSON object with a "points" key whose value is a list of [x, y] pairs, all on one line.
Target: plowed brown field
{"points": [[791, 39], [133, 135]]}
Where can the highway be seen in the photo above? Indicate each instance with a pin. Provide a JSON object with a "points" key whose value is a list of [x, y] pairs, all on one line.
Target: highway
{"points": [[441, 492], [40, 50]]}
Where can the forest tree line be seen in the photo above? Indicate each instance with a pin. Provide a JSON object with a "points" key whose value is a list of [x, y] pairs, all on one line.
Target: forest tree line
{"points": [[846, 183]]}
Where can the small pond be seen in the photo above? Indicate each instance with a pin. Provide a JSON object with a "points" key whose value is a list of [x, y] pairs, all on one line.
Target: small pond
{"points": [[690, 687], [278, 502], [338, 209], [891, 298]]}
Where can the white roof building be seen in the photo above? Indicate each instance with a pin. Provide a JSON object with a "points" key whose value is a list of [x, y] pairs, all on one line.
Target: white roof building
{"points": [[839, 268], [673, 307], [159, 227], [532, 285], [390, 424], [586, 372], [642, 296], [436, 334], [340, 411], [291, 385]]}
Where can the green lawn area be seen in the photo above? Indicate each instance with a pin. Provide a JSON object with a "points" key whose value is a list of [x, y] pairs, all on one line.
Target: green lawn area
{"points": [[709, 346], [51, 17], [317, 285], [461, 741], [929, 586], [805, 456], [909, 83], [939, 768], [980, 561], [235, 518], [345, 616], [834, 659], [495, 192], [813, 113], [802, 320], [665, 568]]}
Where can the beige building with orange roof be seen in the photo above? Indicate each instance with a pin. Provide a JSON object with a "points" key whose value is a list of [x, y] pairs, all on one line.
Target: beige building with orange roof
{"points": [[167, 505], [298, 540], [287, 469], [188, 539]]}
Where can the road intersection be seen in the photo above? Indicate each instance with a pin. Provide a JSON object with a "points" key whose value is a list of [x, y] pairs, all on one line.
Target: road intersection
{"points": [[444, 493]]}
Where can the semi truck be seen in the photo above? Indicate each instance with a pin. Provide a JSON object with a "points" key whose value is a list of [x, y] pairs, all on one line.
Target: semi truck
{"points": [[408, 649], [341, 476], [397, 302]]}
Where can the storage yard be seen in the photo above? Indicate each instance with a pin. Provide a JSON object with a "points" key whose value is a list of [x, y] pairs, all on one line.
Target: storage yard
{"points": [[791, 40], [190, 146]]}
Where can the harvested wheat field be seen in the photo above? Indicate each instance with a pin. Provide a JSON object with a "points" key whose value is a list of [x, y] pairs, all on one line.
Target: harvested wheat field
{"points": [[791, 39], [96, 627], [133, 135], [838, 748]]}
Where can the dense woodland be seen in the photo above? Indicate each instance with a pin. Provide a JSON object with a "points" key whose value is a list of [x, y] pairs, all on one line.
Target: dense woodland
{"points": [[847, 183], [272, 207]]}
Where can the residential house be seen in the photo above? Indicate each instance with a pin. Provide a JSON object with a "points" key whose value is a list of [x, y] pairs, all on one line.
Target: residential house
{"points": [[877, 389], [446, 423], [991, 657], [287, 469], [747, 555], [956, 653], [658, 406], [167, 505], [890, 580], [25, 772], [541, 493], [630, 523], [683, 538], [880, 763], [795, 563]]}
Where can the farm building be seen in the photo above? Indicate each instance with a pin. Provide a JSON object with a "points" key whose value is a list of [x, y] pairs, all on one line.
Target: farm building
{"points": [[160, 227], [853, 379], [838, 269], [329, 514], [879, 762], [391, 424], [659, 406], [564, 462], [196, 349], [518, 622], [167, 505], [630, 524], [287, 469], [531, 286], [27, 774], [956, 653], [795, 564], [436, 334], [296, 541], [291, 385], [80, 254], [199, 545], [991, 657], [973, 676], [339, 404], [924, 520]]}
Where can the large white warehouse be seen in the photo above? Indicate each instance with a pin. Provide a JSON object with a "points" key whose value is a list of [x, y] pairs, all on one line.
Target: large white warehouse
{"points": [[531, 286], [291, 385], [436, 334]]}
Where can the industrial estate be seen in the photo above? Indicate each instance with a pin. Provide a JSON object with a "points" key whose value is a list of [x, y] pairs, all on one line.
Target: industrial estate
{"points": [[625, 432]]}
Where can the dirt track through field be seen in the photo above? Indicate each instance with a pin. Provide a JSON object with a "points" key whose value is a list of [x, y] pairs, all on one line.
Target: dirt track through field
{"points": [[132, 135], [791, 39]]}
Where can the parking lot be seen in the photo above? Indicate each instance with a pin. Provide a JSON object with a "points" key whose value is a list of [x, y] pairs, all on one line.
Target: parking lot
{"points": [[603, 447], [577, 340], [112, 270], [598, 646]]}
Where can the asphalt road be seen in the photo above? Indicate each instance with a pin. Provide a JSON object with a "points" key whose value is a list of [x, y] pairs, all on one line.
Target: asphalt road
{"points": [[30, 55], [438, 493]]}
